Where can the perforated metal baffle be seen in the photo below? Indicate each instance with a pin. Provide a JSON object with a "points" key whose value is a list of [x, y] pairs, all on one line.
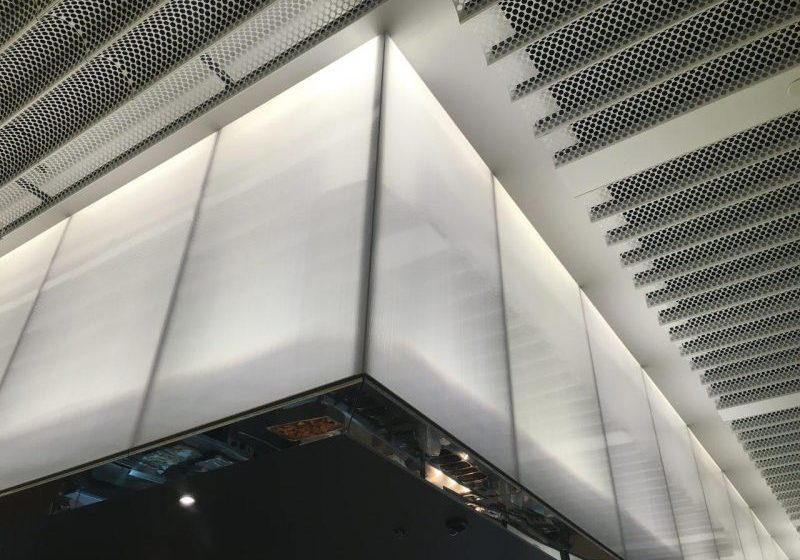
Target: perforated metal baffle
{"points": [[94, 82]]}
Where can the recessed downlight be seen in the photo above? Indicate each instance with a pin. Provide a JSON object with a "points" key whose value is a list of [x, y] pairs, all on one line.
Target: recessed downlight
{"points": [[187, 500]]}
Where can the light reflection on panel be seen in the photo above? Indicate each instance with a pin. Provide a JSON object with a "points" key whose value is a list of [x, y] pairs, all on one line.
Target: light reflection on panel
{"points": [[21, 274], [719, 505], [683, 480], [437, 336], [648, 528], [748, 537], [561, 445], [768, 550], [270, 302], [75, 387]]}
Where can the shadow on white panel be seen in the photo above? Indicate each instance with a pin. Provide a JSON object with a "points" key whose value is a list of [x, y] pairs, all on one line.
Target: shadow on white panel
{"points": [[768, 549], [748, 537], [683, 480], [271, 300], [719, 504], [559, 428], [648, 526], [22, 272], [436, 318], [75, 387]]}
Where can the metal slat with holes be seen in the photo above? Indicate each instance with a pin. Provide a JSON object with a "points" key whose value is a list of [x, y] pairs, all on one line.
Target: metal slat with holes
{"points": [[780, 470], [759, 394], [726, 219], [724, 383], [746, 331], [721, 26], [754, 288], [738, 314], [142, 55], [767, 419], [518, 22], [746, 350], [15, 16], [706, 163], [769, 442], [760, 365], [30, 64], [574, 47], [715, 276], [782, 481], [689, 90], [768, 431], [707, 196], [468, 8], [742, 242], [134, 74]]}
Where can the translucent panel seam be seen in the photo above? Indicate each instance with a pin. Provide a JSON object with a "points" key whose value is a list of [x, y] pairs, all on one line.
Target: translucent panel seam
{"points": [[173, 295]]}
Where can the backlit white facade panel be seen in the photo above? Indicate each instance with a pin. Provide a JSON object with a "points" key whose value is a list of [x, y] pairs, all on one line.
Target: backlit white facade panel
{"points": [[74, 389], [437, 333], [559, 427], [270, 301]]}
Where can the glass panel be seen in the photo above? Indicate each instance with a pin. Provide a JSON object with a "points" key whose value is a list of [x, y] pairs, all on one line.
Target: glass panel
{"points": [[683, 480], [75, 387], [437, 336], [719, 505], [744, 523], [270, 303], [560, 441], [22, 272], [648, 528]]}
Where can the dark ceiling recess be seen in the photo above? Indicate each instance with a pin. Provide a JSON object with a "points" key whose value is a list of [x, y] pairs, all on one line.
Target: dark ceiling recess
{"points": [[334, 499], [349, 471], [715, 233], [88, 83]]}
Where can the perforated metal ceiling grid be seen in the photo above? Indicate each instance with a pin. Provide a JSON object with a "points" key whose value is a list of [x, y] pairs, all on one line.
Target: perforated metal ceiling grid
{"points": [[15, 16], [93, 82], [715, 233]]}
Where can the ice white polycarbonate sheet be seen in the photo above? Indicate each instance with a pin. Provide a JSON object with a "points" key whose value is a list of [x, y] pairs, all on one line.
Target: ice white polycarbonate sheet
{"points": [[776, 550], [648, 527], [683, 480], [748, 537], [22, 272], [270, 302], [768, 550], [719, 505], [75, 386], [437, 333], [560, 441]]}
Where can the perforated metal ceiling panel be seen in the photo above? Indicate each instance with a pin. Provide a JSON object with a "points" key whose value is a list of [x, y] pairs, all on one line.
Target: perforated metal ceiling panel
{"points": [[713, 235], [87, 83]]}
